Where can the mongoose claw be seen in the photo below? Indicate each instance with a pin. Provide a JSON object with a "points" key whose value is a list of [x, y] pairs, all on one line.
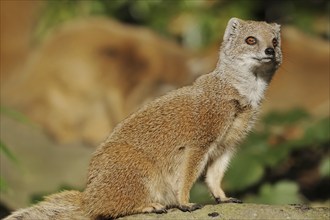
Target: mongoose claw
{"points": [[160, 211], [228, 200], [190, 207], [155, 208]]}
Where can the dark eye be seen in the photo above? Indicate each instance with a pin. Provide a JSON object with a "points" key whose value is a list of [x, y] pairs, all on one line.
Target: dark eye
{"points": [[251, 40], [275, 43]]}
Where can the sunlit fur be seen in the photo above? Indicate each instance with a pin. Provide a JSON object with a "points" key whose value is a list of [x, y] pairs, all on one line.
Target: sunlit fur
{"points": [[151, 159]]}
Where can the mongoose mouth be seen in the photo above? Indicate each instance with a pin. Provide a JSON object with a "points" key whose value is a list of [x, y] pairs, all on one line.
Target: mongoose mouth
{"points": [[265, 59]]}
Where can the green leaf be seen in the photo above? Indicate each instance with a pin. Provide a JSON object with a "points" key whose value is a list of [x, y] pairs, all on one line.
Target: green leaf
{"points": [[273, 156], [3, 185], [244, 171], [283, 192], [200, 194], [7, 152], [318, 132], [325, 167], [15, 115], [284, 118]]}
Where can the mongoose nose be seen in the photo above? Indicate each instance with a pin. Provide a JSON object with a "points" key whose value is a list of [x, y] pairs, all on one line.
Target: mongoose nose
{"points": [[270, 51]]}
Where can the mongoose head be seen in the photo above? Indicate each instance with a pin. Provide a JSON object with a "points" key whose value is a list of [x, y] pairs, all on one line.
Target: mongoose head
{"points": [[252, 46]]}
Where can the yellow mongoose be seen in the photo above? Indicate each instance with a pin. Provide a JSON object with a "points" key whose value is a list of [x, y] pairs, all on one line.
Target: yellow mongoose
{"points": [[151, 160]]}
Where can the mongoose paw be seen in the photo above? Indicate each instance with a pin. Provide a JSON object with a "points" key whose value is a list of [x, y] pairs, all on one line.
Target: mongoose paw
{"points": [[160, 211], [228, 200], [190, 207], [155, 208]]}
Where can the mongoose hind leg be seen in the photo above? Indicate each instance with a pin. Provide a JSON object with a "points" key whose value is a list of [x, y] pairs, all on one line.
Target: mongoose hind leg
{"points": [[190, 176], [117, 182]]}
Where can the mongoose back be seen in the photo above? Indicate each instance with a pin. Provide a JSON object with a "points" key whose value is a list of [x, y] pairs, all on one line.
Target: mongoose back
{"points": [[152, 159]]}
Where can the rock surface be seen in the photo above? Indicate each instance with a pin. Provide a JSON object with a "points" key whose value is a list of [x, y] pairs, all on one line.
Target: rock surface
{"points": [[243, 211]]}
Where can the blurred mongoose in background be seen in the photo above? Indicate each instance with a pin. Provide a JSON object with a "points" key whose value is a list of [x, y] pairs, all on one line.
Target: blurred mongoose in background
{"points": [[151, 160]]}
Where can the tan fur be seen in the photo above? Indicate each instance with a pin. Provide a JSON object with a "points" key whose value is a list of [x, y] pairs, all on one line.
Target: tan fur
{"points": [[65, 206], [152, 159], [156, 154], [89, 74]]}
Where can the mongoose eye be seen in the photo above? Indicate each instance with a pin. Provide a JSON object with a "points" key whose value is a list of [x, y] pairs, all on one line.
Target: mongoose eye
{"points": [[251, 40], [275, 43]]}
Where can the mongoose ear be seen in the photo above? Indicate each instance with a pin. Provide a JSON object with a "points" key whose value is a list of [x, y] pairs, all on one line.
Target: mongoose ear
{"points": [[232, 28], [277, 27]]}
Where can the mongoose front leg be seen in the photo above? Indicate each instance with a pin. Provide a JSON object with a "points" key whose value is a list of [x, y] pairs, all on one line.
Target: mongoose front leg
{"points": [[214, 175]]}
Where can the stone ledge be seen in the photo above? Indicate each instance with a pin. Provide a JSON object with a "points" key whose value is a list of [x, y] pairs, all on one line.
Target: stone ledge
{"points": [[242, 211]]}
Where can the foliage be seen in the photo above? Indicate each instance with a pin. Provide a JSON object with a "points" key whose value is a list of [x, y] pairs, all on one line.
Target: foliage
{"points": [[7, 152], [268, 151], [279, 135], [4, 149], [279, 193], [195, 23], [16, 115], [325, 167], [3, 183], [200, 194]]}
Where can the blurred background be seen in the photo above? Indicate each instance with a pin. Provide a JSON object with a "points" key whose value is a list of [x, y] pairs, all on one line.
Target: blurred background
{"points": [[72, 69]]}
